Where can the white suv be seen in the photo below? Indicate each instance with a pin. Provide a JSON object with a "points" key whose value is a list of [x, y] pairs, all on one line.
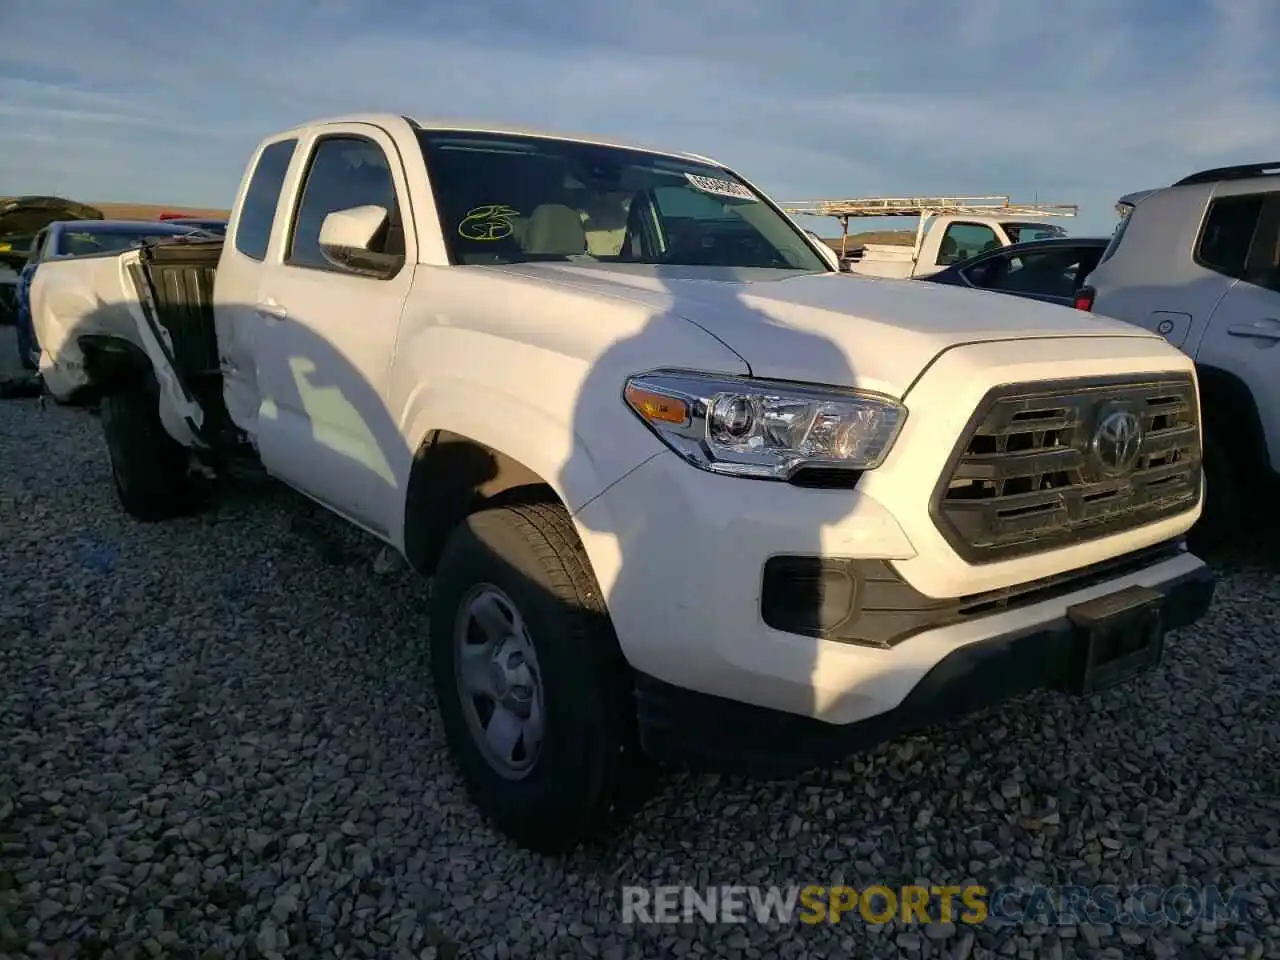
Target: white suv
{"points": [[1199, 263]]}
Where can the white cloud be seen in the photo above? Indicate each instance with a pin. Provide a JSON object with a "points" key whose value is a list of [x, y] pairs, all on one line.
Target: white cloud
{"points": [[1077, 102]]}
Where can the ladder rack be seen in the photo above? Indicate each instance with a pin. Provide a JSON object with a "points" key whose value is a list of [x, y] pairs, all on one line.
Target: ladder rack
{"points": [[995, 206], [922, 207]]}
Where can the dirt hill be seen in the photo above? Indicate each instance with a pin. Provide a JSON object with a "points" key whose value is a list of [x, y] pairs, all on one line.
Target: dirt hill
{"points": [[150, 211], [897, 237]]}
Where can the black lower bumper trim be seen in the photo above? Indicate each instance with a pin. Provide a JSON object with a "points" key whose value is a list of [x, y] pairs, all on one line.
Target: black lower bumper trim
{"points": [[689, 729]]}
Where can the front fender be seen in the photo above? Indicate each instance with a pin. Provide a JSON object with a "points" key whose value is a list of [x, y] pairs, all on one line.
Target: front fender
{"points": [[578, 467]]}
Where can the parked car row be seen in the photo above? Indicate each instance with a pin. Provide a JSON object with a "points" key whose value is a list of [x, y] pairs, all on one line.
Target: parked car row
{"points": [[1050, 270], [20, 219], [73, 236], [948, 230], [687, 491]]}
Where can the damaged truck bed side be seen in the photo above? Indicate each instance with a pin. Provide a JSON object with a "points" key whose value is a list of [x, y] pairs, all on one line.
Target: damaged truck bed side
{"points": [[686, 492], [162, 332]]}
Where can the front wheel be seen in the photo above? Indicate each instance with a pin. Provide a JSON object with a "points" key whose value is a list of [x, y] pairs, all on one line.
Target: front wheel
{"points": [[535, 696], [148, 466], [1220, 520]]}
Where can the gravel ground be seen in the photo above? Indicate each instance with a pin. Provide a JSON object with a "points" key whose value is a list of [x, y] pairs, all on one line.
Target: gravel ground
{"points": [[217, 739]]}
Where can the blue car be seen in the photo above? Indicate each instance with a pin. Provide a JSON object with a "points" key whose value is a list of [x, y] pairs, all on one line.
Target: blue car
{"points": [[76, 238], [21, 218]]}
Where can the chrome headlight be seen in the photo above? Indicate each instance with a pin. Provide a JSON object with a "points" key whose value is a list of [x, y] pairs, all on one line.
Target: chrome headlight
{"points": [[761, 428]]}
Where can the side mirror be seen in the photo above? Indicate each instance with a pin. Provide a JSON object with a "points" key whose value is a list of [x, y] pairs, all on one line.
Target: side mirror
{"points": [[347, 238]]}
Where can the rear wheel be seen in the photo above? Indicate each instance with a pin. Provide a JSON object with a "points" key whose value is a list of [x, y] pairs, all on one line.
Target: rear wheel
{"points": [[535, 696], [148, 466]]}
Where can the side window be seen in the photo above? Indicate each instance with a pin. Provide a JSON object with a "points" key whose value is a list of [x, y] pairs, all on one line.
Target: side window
{"points": [[345, 171], [1263, 266], [990, 272], [1051, 273], [1227, 234], [963, 240], [258, 209]]}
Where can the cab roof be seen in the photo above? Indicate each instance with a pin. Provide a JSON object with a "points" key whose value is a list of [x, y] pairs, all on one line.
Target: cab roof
{"points": [[391, 121]]}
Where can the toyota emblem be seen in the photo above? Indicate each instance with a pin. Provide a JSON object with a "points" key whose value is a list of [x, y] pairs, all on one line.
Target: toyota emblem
{"points": [[1117, 441]]}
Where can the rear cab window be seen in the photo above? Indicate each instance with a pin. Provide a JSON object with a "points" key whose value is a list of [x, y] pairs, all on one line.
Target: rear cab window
{"points": [[257, 212], [964, 240], [1026, 232]]}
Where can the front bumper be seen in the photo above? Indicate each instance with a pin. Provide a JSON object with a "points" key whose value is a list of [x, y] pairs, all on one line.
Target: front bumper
{"points": [[686, 728], [681, 555]]}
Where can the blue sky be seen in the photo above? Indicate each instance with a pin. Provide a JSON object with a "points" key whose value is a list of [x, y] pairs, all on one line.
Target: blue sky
{"points": [[1076, 102]]}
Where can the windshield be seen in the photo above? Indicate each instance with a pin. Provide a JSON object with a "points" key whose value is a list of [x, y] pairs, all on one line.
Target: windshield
{"points": [[77, 243], [515, 199], [1026, 232]]}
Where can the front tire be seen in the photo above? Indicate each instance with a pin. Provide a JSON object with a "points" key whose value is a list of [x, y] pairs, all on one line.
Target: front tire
{"points": [[148, 466], [1220, 521], [536, 698]]}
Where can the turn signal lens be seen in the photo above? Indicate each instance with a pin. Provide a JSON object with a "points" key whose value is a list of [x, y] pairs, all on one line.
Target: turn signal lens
{"points": [[655, 407]]}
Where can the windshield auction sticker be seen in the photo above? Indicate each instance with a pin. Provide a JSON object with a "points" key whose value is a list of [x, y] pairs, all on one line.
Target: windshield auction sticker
{"points": [[719, 188], [493, 221]]}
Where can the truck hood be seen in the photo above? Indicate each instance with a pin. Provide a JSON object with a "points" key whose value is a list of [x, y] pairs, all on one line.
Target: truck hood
{"points": [[838, 329]]}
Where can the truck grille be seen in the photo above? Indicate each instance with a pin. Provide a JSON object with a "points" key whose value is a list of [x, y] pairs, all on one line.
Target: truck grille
{"points": [[1045, 465]]}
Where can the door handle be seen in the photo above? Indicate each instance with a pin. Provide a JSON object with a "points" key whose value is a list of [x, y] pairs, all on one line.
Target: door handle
{"points": [[271, 311], [1265, 329]]}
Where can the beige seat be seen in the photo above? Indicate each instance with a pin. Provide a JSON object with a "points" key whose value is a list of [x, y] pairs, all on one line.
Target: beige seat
{"points": [[606, 223], [555, 230]]}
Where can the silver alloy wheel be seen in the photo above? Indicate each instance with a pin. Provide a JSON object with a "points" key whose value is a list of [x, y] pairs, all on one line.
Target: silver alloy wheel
{"points": [[499, 683]]}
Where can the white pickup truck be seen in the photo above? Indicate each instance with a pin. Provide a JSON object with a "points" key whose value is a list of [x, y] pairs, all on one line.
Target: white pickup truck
{"points": [[948, 230], [686, 492]]}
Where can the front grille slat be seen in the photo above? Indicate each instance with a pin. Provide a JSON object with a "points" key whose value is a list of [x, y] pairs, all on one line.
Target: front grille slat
{"points": [[997, 467], [1164, 441], [1026, 476]]}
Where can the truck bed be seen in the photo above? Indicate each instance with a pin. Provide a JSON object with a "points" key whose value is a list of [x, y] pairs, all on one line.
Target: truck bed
{"points": [[180, 280], [174, 281]]}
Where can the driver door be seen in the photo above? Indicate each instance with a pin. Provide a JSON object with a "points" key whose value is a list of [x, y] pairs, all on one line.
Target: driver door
{"points": [[327, 337]]}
